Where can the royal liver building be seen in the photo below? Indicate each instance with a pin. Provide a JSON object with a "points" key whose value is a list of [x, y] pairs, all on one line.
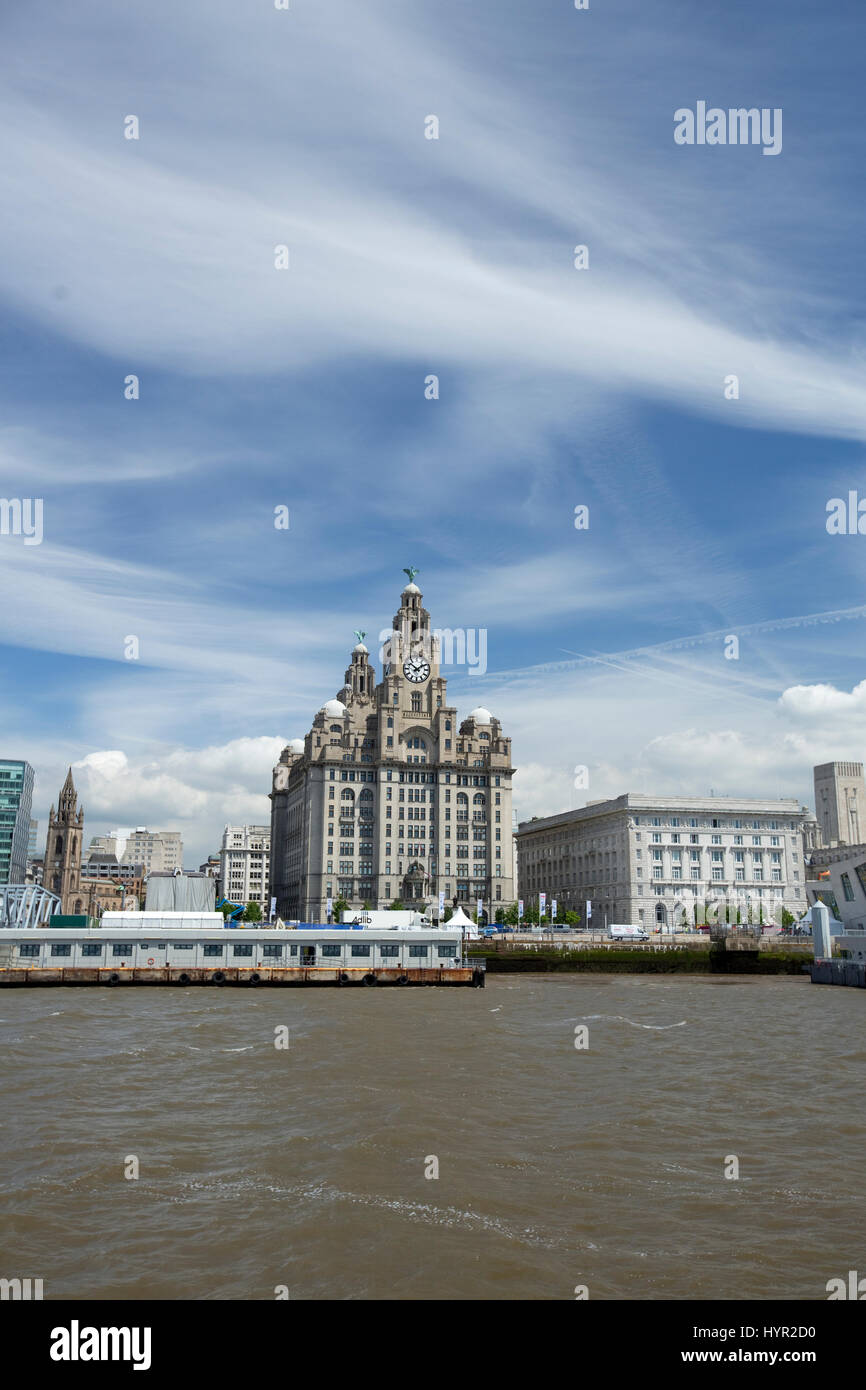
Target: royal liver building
{"points": [[388, 796]]}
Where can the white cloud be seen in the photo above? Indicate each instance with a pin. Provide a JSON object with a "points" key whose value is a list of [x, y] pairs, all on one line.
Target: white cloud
{"points": [[195, 791]]}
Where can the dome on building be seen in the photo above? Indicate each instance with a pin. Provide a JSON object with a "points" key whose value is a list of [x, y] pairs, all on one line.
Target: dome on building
{"points": [[296, 745], [360, 648], [334, 709], [411, 588], [481, 715]]}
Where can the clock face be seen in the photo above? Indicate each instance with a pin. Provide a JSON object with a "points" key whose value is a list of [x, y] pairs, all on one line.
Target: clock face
{"points": [[416, 669]]}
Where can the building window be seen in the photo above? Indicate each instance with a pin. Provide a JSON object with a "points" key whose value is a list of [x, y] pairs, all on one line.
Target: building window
{"points": [[847, 889]]}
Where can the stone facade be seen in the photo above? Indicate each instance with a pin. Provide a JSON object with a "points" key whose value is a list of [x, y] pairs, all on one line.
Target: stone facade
{"points": [[651, 861], [61, 873], [840, 803], [389, 796], [244, 871]]}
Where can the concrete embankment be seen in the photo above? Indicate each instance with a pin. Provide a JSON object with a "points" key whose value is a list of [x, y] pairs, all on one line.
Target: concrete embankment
{"points": [[641, 962]]}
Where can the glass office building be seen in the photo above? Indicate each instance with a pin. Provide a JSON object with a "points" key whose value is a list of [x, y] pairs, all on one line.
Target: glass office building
{"points": [[16, 798]]}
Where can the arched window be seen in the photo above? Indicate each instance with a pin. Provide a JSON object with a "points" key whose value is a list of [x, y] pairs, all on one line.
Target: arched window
{"points": [[347, 795], [462, 799], [478, 799], [366, 795], [336, 728]]}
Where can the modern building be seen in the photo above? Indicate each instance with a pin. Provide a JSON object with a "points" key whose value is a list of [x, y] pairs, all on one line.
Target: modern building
{"points": [[655, 860], [836, 876], [244, 872], [160, 851], [16, 797], [840, 803], [389, 796]]}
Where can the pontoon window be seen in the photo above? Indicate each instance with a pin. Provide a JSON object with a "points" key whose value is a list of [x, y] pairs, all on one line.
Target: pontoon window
{"points": [[272, 950], [417, 950], [120, 949], [28, 949], [243, 950], [213, 950], [360, 950], [389, 950], [91, 948], [331, 950], [61, 949]]}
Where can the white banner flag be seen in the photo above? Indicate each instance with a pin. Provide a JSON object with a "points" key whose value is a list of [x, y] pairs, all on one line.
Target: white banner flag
{"points": [[542, 903]]}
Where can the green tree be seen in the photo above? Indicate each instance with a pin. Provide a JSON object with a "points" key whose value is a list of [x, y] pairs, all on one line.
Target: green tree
{"points": [[511, 915], [449, 913], [572, 919], [396, 906], [339, 907], [366, 907], [253, 912], [500, 914], [788, 918]]}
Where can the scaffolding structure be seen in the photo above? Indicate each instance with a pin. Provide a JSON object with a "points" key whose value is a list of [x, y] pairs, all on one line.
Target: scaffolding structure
{"points": [[27, 905]]}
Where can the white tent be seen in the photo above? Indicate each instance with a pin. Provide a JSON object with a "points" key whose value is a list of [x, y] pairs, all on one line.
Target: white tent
{"points": [[835, 925], [466, 924]]}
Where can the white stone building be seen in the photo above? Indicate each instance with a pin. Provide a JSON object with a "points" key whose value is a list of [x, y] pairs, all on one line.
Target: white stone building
{"points": [[840, 803], [245, 857], [651, 860], [160, 851], [389, 796]]}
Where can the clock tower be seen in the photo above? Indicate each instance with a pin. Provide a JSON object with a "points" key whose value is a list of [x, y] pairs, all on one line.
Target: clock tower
{"points": [[389, 796]]}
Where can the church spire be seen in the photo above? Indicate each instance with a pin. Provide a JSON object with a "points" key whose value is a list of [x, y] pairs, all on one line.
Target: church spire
{"points": [[68, 794]]}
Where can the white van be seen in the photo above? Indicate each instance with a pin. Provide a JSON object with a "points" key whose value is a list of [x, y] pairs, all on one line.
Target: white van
{"points": [[627, 933]]}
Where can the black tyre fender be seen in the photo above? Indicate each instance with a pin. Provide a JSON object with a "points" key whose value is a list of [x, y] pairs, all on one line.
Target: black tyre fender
{"points": [[219, 977], [183, 979]]}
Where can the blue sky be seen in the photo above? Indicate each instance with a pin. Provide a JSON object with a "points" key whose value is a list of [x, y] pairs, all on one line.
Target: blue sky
{"points": [[305, 387]]}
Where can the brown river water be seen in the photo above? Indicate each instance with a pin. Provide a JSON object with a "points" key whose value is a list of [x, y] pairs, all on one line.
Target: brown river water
{"points": [[304, 1167]]}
